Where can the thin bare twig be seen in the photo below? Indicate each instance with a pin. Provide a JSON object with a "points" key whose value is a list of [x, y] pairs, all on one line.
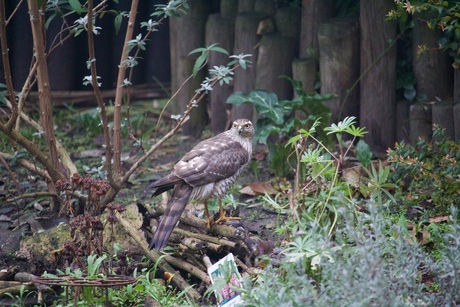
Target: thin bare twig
{"points": [[31, 195], [99, 99], [12, 175], [119, 91], [6, 67], [14, 11]]}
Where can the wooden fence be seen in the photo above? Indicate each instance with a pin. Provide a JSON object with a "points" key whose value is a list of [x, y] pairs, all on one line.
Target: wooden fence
{"points": [[356, 58]]}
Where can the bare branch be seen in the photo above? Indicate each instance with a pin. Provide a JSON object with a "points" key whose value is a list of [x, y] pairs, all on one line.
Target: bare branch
{"points": [[99, 99], [14, 11], [119, 91], [6, 66], [31, 167], [46, 112], [31, 195]]}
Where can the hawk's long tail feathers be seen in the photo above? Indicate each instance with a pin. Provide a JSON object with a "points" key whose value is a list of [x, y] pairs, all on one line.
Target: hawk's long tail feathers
{"points": [[176, 205]]}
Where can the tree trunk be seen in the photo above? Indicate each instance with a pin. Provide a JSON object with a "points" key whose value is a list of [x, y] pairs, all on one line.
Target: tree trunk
{"points": [[219, 30], [339, 56], [378, 63]]}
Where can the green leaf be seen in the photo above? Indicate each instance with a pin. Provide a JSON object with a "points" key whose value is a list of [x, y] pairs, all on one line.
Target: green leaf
{"points": [[363, 153], [199, 63], [341, 126], [356, 131], [219, 49], [117, 23], [76, 6], [267, 105], [48, 21], [197, 50], [237, 99], [264, 132]]}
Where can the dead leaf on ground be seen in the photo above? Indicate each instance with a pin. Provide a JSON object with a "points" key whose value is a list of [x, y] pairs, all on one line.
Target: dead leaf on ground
{"points": [[352, 175], [259, 188], [438, 219]]}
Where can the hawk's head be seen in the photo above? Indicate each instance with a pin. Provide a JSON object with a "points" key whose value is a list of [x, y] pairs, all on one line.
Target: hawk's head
{"points": [[243, 127]]}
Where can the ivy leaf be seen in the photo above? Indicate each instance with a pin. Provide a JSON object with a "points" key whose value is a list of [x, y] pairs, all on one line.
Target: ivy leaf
{"points": [[263, 132], [266, 104], [237, 99]]}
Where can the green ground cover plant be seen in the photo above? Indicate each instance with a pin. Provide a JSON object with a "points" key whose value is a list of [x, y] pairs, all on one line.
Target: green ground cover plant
{"points": [[349, 249]]}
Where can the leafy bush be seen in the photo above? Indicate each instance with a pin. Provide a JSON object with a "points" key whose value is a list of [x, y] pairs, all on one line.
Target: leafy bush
{"points": [[369, 262], [428, 173], [345, 250], [443, 15]]}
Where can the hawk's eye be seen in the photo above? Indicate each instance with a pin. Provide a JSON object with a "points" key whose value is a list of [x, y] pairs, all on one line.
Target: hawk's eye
{"points": [[247, 125]]}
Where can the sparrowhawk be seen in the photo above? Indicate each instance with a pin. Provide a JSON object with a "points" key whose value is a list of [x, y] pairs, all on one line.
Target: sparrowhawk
{"points": [[208, 170]]}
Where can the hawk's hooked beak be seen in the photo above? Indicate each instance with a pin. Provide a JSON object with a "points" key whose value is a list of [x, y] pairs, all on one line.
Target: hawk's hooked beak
{"points": [[240, 129]]}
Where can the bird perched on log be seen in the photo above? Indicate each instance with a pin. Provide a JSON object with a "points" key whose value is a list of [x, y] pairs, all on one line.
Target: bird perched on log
{"points": [[208, 170]]}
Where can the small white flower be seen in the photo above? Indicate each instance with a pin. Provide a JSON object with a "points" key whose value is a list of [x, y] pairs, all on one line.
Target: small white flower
{"points": [[126, 82], [87, 80]]}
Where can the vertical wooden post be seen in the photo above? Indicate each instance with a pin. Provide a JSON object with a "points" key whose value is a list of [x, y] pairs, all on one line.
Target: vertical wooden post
{"points": [[265, 6], [287, 20], [338, 42], [220, 30], [457, 85], [246, 41], [314, 12], [228, 9], [432, 68], [246, 5], [187, 34], [276, 53], [456, 112], [403, 121], [378, 70], [305, 70], [442, 114], [420, 122]]}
